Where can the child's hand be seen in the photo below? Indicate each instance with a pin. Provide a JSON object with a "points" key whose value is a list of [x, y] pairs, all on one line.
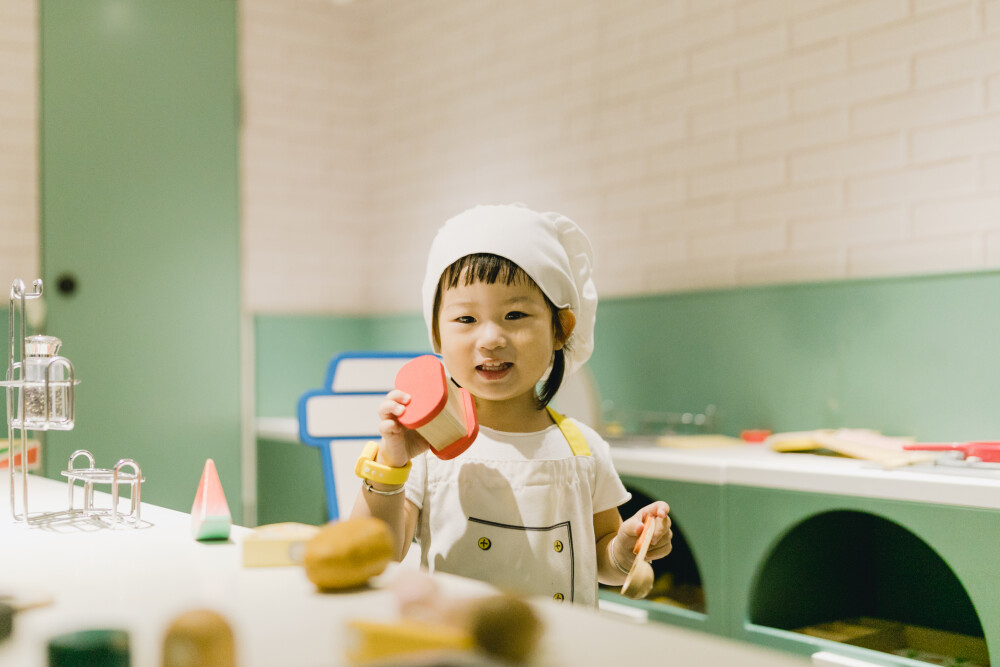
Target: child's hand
{"points": [[399, 444], [631, 530]]}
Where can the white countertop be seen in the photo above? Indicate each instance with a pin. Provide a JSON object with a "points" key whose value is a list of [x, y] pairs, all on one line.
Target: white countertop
{"points": [[140, 579], [756, 465]]}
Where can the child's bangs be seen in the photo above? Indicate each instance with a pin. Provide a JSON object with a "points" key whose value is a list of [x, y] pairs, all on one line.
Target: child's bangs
{"points": [[484, 268]]}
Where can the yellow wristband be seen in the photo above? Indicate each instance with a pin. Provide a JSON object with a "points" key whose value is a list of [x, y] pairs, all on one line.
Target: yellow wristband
{"points": [[368, 468]]}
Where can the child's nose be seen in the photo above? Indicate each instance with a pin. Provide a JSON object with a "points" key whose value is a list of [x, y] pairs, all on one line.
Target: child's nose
{"points": [[492, 336]]}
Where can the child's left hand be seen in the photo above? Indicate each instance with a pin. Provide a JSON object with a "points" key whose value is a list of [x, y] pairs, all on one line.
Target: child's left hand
{"points": [[631, 530]]}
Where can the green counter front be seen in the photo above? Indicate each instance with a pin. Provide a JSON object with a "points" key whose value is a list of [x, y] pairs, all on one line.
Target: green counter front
{"points": [[810, 554]]}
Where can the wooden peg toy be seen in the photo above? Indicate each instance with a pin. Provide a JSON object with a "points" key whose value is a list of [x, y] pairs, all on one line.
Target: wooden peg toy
{"points": [[444, 414], [210, 516]]}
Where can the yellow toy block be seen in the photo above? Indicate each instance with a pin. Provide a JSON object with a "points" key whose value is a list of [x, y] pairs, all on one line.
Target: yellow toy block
{"points": [[380, 641], [277, 544]]}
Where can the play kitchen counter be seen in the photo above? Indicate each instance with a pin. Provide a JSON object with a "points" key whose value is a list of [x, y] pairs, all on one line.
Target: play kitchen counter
{"points": [[138, 579], [814, 553]]}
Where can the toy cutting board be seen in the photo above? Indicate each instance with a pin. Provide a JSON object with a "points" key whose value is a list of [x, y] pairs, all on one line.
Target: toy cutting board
{"points": [[853, 443]]}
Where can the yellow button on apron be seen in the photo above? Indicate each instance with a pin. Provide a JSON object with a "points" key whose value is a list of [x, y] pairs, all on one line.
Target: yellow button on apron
{"points": [[558, 546], [484, 543], [558, 596]]}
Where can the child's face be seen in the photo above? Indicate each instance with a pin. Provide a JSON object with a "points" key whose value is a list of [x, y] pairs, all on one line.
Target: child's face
{"points": [[497, 340]]}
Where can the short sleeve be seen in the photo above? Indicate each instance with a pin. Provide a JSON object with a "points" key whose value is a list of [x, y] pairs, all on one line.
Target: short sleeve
{"points": [[609, 492]]}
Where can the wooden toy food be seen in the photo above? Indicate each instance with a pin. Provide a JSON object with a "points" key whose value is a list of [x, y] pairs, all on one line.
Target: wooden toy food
{"points": [[277, 544], [505, 627], [346, 554], [435, 629], [210, 516], [444, 414], [397, 642], [199, 637]]}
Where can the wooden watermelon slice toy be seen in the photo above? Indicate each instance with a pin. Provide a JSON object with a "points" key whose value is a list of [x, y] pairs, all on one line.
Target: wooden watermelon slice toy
{"points": [[444, 414], [210, 516]]}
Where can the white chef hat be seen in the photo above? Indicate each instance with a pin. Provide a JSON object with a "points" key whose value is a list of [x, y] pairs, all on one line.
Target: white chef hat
{"points": [[549, 247]]}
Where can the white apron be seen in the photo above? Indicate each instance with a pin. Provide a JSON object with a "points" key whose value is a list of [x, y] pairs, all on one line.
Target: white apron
{"points": [[524, 526]]}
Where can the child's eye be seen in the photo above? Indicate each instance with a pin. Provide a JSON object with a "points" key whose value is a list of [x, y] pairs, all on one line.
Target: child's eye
{"points": [[465, 319], [515, 315]]}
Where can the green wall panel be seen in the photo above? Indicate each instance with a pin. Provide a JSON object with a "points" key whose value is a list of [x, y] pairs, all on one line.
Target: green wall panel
{"points": [[908, 356], [290, 486], [139, 184], [291, 353], [399, 332]]}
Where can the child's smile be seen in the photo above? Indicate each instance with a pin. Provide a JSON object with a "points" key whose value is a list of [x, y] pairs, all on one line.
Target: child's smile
{"points": [[493, 370], [497, 341]]}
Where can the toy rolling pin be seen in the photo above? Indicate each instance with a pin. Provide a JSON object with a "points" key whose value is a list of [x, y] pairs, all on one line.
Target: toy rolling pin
{"points": [[441, 412]]}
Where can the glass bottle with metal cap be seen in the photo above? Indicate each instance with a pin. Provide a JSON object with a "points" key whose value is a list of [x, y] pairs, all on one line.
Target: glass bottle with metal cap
{"points": [[47, 386]]}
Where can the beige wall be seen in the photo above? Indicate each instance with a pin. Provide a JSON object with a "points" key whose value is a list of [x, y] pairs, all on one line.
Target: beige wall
{"points": [[304, 163], [18, 142], [702, 143]]}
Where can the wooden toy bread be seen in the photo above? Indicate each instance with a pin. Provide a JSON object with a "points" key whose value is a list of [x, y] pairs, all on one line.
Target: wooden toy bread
{"points": [[346, 554], [444, 414], [199, 637], [505, 627]]}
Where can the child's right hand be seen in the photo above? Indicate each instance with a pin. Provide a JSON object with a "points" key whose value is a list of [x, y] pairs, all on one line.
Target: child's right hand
{"points": [[399, 444]]}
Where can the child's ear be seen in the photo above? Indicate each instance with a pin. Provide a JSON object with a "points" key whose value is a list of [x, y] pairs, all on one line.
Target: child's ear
{"points": [[567, 322]]}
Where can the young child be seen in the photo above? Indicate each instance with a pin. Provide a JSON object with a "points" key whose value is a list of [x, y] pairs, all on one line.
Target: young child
{"points": [[531, 506]]}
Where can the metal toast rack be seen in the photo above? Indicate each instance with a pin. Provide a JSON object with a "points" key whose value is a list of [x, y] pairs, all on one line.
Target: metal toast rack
{"points": [[40, 386]]}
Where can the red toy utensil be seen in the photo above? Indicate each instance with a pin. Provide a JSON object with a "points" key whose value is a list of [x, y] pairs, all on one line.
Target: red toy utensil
{"points": [[984, 451], [444, 414]]}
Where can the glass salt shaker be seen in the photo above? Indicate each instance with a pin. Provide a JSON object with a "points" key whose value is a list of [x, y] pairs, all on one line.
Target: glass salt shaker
{"points": [[43, 369]]}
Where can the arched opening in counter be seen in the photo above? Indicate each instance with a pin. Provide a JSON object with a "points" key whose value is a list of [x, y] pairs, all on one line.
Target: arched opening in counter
{"points": [[861, 579], [678, 582]]}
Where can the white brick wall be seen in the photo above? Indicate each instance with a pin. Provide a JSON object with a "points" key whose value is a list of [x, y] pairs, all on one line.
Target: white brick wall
{"points": [[701, 143], [304, 168], [18, 142], [752, 141]]}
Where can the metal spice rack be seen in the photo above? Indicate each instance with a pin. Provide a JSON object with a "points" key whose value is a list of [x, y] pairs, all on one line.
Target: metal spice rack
{"points": [[40, 390]]}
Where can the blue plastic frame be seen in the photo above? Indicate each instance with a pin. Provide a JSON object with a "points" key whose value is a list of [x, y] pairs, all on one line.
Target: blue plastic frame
{"points": [[326, 456]]}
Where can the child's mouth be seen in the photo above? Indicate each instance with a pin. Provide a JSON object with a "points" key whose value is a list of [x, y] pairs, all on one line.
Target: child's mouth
{"points": [[493, 370]]}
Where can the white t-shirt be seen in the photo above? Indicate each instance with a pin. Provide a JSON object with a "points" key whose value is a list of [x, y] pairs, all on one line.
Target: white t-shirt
{"points": [[546, 445]]}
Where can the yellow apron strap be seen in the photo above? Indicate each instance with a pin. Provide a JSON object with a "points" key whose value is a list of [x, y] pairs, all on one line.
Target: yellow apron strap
{"points": [[572, 434]]}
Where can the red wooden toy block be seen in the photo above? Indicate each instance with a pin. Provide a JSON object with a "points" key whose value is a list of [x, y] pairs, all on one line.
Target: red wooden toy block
{"points": [[444, 414]]}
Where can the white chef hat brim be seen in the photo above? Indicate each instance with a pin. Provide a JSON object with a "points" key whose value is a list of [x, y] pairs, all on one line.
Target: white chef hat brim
{"points": [[549, 247]]}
